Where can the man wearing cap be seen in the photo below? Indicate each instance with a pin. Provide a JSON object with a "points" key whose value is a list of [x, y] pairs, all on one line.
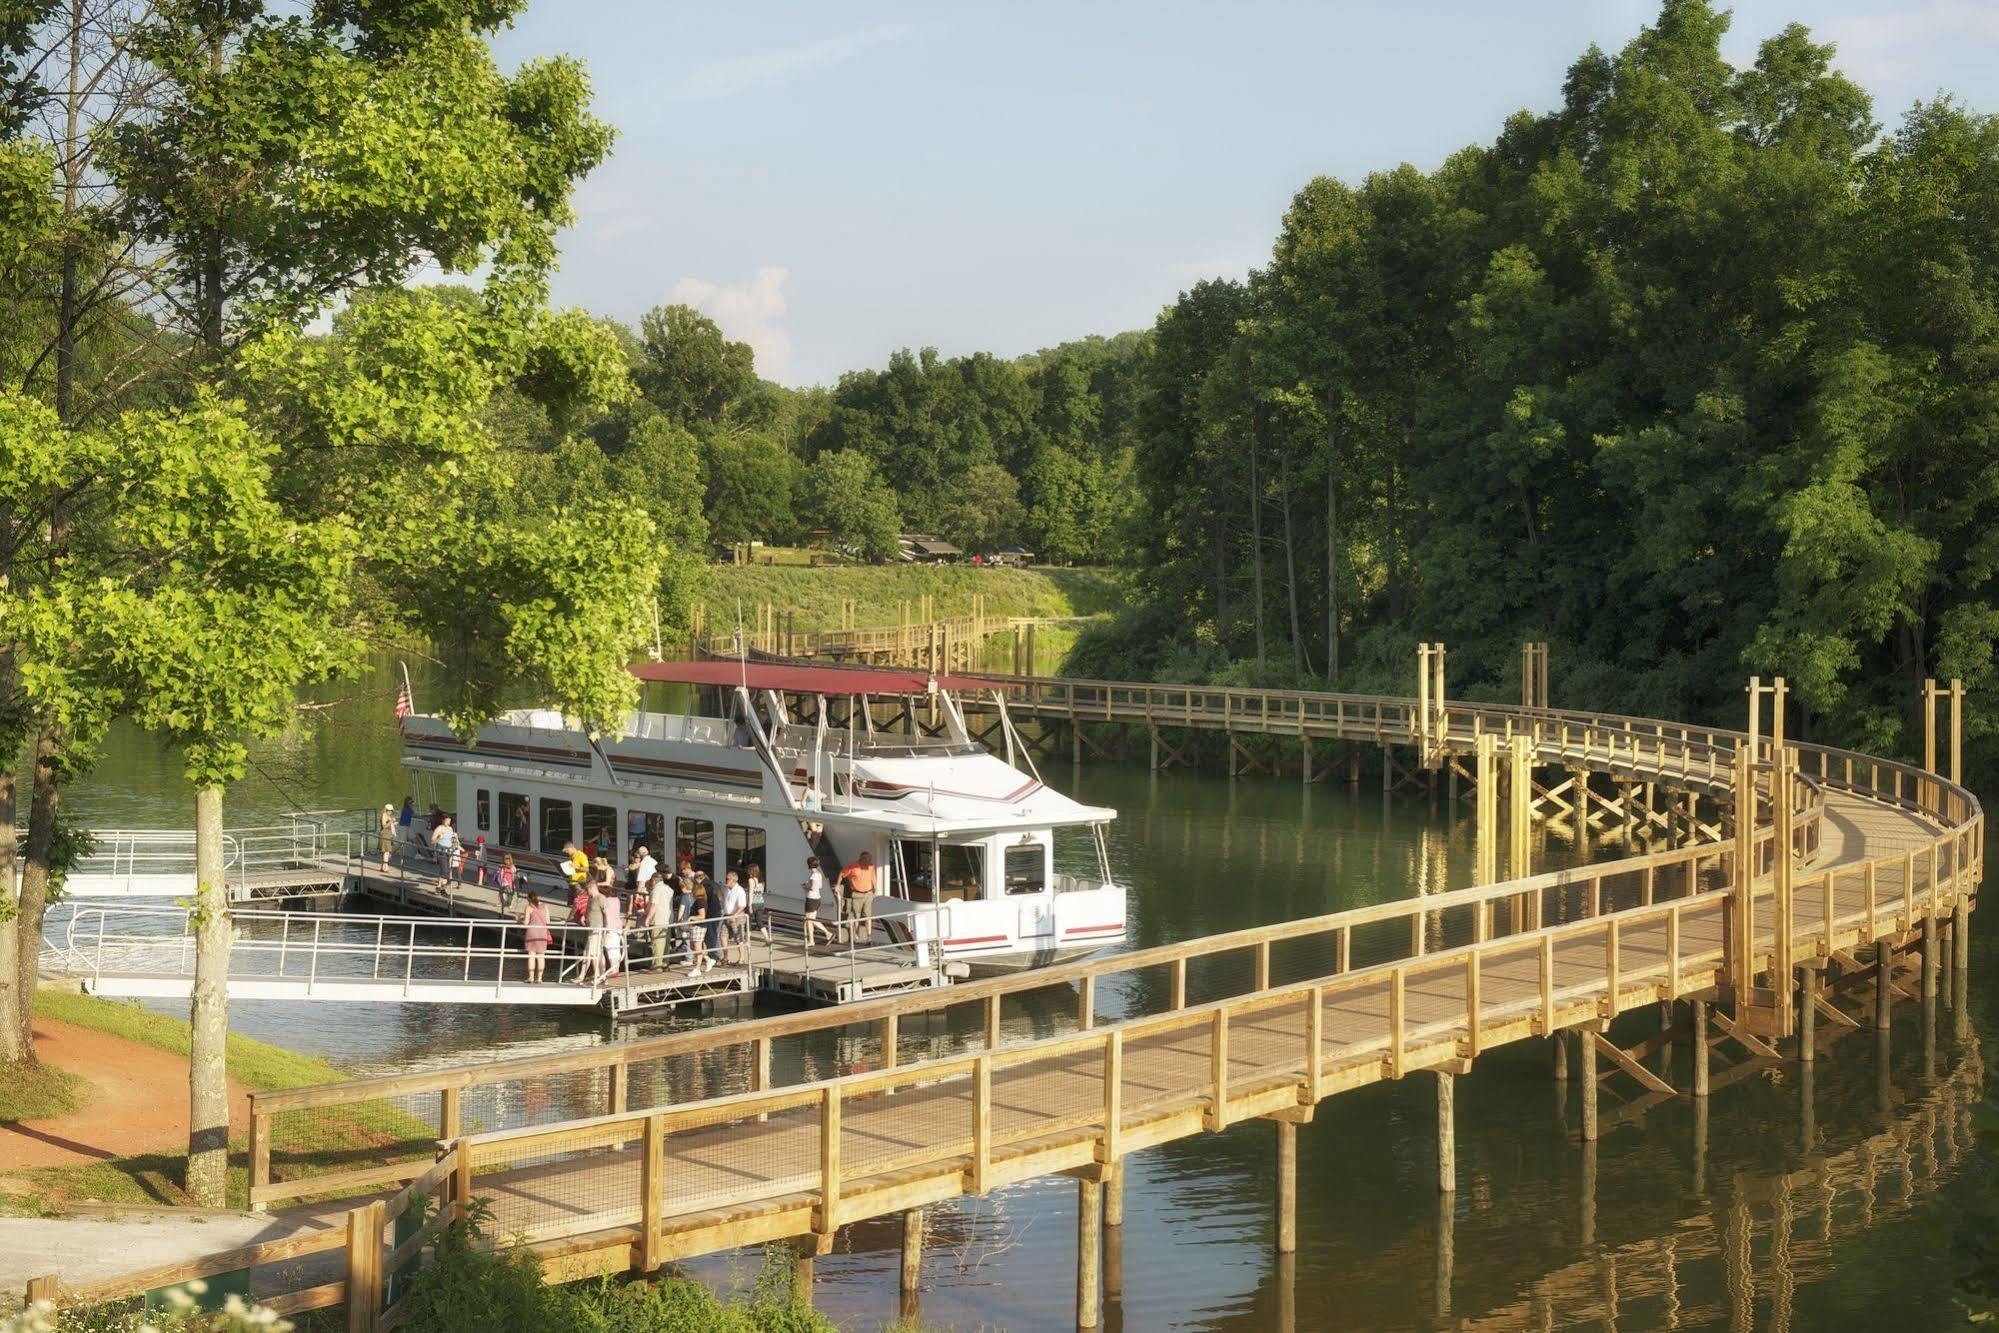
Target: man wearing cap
{"points": [[387, 825]]}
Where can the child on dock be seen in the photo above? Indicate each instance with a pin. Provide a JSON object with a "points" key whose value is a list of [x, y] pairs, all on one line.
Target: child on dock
{"points": [[479, 860], [507, 877], [537, 935]]}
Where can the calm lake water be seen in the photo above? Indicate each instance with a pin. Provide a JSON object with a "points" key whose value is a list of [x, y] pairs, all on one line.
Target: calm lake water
{"points": [[1670, 1221]]}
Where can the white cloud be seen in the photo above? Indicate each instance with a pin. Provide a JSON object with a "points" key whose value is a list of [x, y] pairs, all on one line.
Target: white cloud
{"points": [[1893, 48], [749, 313], [778, 66]]}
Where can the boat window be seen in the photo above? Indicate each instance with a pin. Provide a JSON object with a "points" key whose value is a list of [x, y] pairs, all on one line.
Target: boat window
{"points": [[694, 840], [647, 829], [485, 811], [913, 870], [961, 869], [600, 830], [745, 849], [514, 812], [558, 824], [1026, 868]]}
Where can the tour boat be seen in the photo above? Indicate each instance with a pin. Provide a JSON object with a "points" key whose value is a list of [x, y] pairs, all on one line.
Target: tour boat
{"points": [[973, 854]]}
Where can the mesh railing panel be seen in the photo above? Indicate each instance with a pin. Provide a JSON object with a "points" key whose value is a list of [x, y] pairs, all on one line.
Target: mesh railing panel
{"points": [[358, 1136]]}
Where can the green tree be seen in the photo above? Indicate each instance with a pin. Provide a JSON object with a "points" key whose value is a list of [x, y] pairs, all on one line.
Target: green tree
{"points": [[844, 493]]}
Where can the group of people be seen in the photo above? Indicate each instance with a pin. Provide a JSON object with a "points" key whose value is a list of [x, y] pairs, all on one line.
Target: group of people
{"points": [[677, 915]]}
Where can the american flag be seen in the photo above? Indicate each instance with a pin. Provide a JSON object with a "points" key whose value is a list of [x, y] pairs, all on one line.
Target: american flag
{"points": [[405, 705]]}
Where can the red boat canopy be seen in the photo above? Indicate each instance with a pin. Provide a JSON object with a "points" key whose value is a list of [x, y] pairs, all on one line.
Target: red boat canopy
{"points": [[807, 679]]}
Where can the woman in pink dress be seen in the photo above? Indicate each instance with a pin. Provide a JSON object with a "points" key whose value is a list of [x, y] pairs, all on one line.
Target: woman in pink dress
{"points": [[537, 937]]}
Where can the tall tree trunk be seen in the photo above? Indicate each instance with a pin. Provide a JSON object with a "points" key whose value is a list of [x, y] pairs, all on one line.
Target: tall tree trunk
{"points": [[1332, 573], [207, 1072], [35, 871], [16, 1008], [1256, 542], [1301, 665], [207, 1077]]}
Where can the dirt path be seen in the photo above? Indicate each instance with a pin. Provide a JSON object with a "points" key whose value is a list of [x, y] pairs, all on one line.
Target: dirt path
{"points": [[137, 1102]]}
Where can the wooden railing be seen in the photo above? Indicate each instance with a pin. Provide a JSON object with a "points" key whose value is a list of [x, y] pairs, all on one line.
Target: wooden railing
{"points": [[371, 1264], [1667, 751]]}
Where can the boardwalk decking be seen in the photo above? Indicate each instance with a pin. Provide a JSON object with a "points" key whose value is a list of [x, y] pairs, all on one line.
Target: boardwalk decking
{"points": [[1047, 1112]]}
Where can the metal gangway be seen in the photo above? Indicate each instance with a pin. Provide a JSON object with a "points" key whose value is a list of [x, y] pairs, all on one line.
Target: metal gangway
{"points": [[148, 951], [304, 852]]}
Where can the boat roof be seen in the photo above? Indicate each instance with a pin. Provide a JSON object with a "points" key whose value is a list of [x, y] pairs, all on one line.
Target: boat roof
{"points": [[809, 679]]}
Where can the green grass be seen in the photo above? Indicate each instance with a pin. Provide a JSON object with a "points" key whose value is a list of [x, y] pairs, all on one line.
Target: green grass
{"points": [[814, 596], [252, 1063], [39, 1091], [338, 1138]]}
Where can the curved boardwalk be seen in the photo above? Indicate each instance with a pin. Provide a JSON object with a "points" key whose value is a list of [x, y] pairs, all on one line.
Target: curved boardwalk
{"points": [[1864, 862]]}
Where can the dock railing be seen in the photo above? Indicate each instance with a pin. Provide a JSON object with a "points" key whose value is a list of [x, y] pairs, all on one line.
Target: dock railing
{"points": [[738, 1058]]}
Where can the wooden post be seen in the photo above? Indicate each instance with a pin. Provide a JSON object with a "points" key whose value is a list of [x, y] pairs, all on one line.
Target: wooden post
{"points": [[619, 1078], [1586, 1070], [45, 1289], [1030, 649], [1956, 730], [802, 1251], [1423, 702], [1287, 1186], [364, 1268], [1784, 785], [1700, 1048], [1741, 973], [1485, 859], [1930, 694], [1929, 961], [1808, 1022], [1520, 824], [1447, 1133], [1113, 1194], [1089, 1249], [1439, 731], [260, 1155], [1884, 985], [912, 1249], [652, 1182]]}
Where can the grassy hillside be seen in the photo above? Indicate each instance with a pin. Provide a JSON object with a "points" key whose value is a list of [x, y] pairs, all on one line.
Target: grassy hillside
{"points": [[815, 595]]}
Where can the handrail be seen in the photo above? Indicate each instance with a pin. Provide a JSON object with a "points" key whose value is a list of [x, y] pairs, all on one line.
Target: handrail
{"points": [[1952, 805]]}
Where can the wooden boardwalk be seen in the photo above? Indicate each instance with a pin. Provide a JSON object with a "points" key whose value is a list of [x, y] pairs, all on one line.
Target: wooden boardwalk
{"points": [[933, 1131], [1758, 878]]}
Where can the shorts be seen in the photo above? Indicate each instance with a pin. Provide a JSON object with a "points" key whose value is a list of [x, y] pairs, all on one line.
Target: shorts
{"points": [[614, 946]]}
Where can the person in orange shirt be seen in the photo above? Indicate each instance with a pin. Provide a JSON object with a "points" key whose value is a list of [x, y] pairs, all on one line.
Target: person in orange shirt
{"points": [[860, 907]]}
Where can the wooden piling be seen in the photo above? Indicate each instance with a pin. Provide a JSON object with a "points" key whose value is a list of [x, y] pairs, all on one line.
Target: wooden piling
{"points": [[1114, 1194], [1808, 1023], [1089, 1249], [1884, 985], [802, 1252], [912, 1249], [1287, 1186], [1586, 1072], [1700, 1048], [1447, 1133]]}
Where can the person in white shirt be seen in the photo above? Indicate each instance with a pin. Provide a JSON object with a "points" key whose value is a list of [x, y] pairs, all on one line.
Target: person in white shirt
{"points": [[736, 914], [815, 889], [646, 869]]}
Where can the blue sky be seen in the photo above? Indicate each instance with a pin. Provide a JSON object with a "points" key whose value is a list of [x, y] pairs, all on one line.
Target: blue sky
{"points": [[831, 182]]}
